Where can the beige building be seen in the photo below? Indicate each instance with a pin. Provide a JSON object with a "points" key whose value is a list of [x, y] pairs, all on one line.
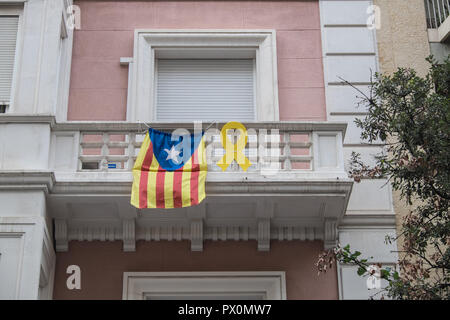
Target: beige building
{"points": [[402, 35], [409, 31]]}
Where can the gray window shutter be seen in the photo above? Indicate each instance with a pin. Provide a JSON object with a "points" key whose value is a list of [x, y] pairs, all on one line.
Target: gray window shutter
{"points": [[205, 89], [8, 37]]}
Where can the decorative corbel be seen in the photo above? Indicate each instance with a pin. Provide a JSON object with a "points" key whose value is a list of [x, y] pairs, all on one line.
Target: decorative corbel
{"points": [[61, 237], [129, 235], [197, 235], [330, 233], [264, 234]]}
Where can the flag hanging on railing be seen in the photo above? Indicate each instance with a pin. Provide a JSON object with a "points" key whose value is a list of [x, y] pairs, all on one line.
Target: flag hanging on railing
{"points": [[170, 171]]}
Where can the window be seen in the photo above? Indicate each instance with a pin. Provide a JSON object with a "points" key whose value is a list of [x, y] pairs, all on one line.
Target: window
{"points": [[185, 75], [8, 37], [205, 89], [258, 285]]}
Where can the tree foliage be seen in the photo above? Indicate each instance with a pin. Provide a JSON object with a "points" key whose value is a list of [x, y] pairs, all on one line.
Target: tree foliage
{"points": [[411, 115]]}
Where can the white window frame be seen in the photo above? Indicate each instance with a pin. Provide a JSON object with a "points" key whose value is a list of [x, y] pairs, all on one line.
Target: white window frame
{"points": [[270, 285], [149, 43], [14, 8]]}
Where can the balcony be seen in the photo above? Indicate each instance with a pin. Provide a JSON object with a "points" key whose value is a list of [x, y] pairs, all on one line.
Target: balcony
{"points": [[438, 23], [296, 189], [95, 158], [284, 150], [301, 195]]}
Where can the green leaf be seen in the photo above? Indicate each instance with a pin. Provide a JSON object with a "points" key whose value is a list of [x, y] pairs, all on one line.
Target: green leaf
{"points": [[413, 113], [385, 274], [361, 271], [396, 276]]}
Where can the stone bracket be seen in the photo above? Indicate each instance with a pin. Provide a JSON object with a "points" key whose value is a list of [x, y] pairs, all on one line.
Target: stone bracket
{"points": [[197, 235], [129, 235], [330, 233], [263, 234], [61, 235]]}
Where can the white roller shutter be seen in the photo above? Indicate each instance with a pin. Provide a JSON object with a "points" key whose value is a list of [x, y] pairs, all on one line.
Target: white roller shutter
{"points": [[8, 37], [205, 89]]}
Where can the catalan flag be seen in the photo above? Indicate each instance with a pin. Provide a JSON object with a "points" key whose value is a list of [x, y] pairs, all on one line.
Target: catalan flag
{"points": [[170, 171]]}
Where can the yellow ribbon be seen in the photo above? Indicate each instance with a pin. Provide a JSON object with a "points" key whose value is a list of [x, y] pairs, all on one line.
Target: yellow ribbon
{"points": [[234, 151]]}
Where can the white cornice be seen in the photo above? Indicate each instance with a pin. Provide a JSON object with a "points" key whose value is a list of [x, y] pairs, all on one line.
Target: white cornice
{"points": [[27, 180], [12, 2], [281, 184], [27, 118], [93, 126], [367, 220]]}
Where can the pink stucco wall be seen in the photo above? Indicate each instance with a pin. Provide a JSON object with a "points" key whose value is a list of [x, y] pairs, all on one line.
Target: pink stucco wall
{"points": [[98, 87], [103, 264]]}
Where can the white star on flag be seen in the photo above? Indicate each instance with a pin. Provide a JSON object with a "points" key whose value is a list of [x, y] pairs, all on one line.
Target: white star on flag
{"points": [[173, 154]]}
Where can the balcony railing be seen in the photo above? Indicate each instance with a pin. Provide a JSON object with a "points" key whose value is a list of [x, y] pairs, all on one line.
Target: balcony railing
{"points": [[303, 198], [437, 11], [283, 146]]}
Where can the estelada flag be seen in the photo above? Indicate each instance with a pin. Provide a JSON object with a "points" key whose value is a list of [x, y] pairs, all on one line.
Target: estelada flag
{"points": [[164, 177]]}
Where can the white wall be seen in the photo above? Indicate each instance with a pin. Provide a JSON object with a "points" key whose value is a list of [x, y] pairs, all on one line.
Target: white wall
{"points": [[350, 53], [42, 54], [27, 258], [372, 244], [40, 87], [24, 146]]}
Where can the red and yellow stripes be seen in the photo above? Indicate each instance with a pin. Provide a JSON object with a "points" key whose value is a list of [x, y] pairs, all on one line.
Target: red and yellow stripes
{"points": [[155, 187]]}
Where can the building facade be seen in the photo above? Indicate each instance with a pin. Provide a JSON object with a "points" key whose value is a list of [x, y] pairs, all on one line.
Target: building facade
{"points": [[80, 83]]}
